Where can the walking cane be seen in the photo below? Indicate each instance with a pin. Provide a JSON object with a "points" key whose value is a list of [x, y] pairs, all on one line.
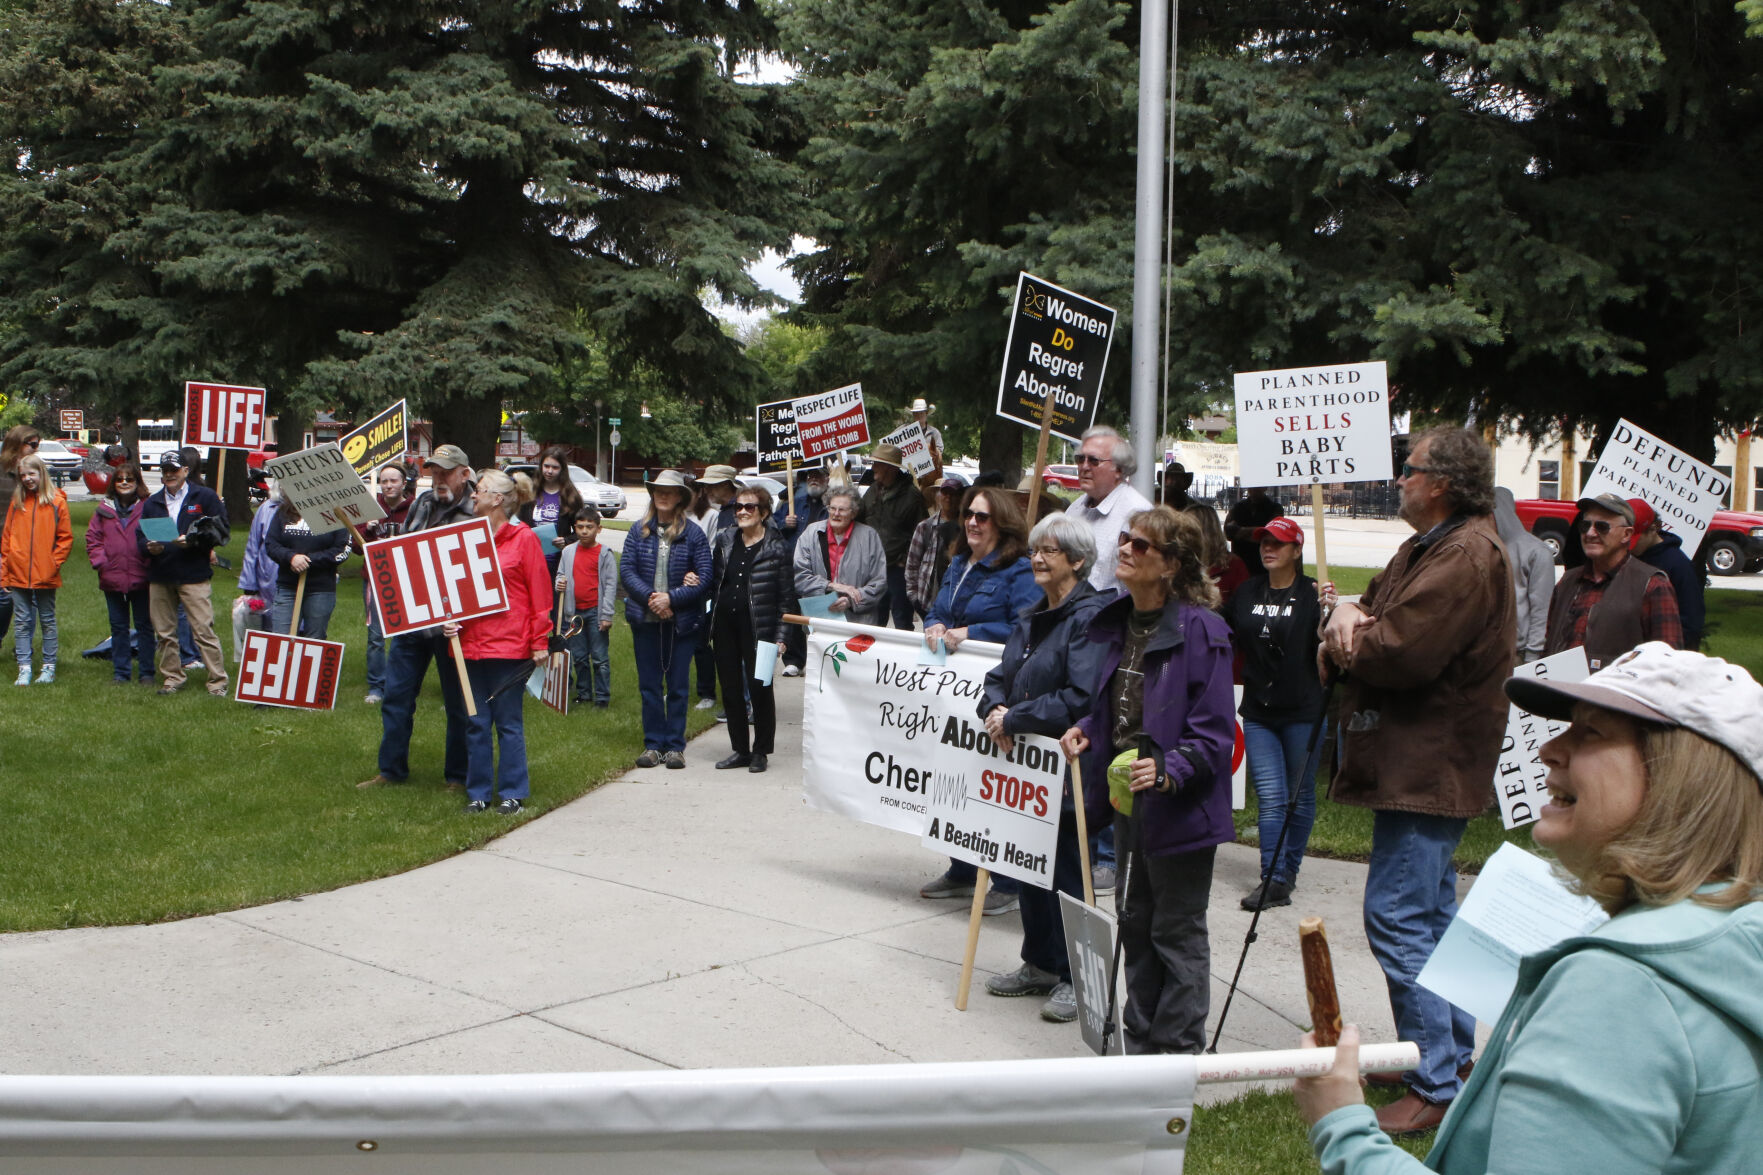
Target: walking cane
{"points": [[1308, 779]]}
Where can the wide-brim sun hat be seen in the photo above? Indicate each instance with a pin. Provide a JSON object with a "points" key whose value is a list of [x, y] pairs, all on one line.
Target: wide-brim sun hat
{"points": [[887, 455], [670, 479], [719, 475], [919, 405]]}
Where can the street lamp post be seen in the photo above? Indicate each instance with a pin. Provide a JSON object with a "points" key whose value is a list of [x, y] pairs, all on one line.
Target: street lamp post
{"points": [[599, 469]]}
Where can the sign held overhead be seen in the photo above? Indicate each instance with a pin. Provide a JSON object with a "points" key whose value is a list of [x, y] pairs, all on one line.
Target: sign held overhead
{"points": [[1314, 425], [775, 439], [914, 448], [831, 422], [224, 416], [1684, 492], [1057, 346]]}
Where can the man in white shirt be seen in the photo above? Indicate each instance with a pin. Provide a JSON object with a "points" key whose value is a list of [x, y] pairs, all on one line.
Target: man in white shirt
{"points": [[1105, 466]]}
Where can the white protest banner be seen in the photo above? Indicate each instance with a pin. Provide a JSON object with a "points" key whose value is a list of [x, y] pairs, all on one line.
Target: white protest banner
{"points": [[1099, 1115], [224, 416], [280, 670], [914, 448], [888, 741], [1057, 346], [325, 488], [1089, 944], [1310, 425], [429, 577], [831, 422], [1519, 779], [1684, 492]]}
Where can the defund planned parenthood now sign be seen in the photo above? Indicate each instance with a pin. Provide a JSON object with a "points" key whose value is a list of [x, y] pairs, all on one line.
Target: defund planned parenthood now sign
{"points": [[1684, 492], [1314, 425]]}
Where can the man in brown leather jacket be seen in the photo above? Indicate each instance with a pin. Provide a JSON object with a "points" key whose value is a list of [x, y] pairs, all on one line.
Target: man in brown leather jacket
{"points": [[1612, 602], [1426, 651]]}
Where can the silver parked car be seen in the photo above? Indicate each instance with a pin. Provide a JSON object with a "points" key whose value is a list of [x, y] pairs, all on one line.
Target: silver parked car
{"points": [[603, 496]]}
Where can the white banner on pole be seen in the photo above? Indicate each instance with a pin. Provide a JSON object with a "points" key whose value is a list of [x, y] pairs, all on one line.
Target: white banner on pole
{"points": [[1684, 492], [1519, 780], [1314, 425], [914, 448], [1108, 1115]]}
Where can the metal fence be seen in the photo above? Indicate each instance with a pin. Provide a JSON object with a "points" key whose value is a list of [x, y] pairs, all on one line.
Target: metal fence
{"points": [[1364, 499]]}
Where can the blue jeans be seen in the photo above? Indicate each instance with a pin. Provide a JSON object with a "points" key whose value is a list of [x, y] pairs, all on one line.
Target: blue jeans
{"points": [[186, 639], [663, 660], [376, 647], [590, 652], [899, 603], [502, 716], [31, 607], [1277, 756], [124, 607], [315, 613], [1104, 854], [1410, 897], [407, 664]]}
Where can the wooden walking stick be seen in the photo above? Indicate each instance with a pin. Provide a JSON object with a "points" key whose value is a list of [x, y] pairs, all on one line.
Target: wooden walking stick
{"points": [[1319, 985]]}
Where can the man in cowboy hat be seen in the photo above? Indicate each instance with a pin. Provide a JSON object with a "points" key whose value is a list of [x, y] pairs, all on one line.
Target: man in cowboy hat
{"points": [[721, 482], [893, 508], [932, 436]]}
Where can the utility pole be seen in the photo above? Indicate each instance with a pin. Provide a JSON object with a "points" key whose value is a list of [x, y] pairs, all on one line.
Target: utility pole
{"points": [[1148, 238]]}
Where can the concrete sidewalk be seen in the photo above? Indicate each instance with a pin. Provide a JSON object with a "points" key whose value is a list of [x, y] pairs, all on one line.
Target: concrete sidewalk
{"points": [[679, 919]]}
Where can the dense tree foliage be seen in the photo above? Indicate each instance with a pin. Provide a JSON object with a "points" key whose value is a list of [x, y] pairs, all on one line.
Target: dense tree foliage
{"points": [[352, 201]]}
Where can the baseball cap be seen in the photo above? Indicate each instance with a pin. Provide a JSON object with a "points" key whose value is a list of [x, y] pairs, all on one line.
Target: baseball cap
{"points": [[1643, 513], [952, 483], [173, 459], [1656, 683], [448, 457], [1611, 502], [1280, 530]]}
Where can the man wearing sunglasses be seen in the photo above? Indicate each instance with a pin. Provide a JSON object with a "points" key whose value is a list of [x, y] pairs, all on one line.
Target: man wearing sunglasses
{"points": [[1105, 466], [1612, 602]]}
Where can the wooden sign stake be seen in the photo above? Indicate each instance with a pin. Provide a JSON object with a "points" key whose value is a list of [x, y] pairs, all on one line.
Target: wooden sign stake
{"points": [[790, 484], [220, 474], [981, 883], [1319, 984], [1083, 830], [1316, 509], [299, 602], [1034, 486]]}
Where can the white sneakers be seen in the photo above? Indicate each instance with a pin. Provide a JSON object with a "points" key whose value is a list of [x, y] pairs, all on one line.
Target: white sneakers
{"points": [[24, 675]]}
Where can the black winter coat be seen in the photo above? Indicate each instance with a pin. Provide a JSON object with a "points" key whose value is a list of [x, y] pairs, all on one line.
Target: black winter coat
{"points": [[771, 591], [284, 539], [1049, 668]]}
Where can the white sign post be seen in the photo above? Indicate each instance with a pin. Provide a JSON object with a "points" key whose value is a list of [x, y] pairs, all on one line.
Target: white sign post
{"points": [[1684, 492], [1314, 425], [1519, 780]]}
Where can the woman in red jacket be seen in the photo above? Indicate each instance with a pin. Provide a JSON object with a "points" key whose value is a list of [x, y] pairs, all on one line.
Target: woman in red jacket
{"points": [[501, 652]]}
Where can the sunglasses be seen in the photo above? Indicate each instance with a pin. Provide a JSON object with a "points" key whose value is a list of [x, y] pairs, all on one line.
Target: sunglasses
{"points": [[1601, 525], [746, 507], [1086, 459], [979, 516], [1410, 470], [34, 442], [1139, 546]]}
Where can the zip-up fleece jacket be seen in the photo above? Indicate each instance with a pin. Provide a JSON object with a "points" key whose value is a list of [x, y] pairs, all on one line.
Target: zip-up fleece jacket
{"points": [[525, 628], [189, 565], [607, 573], [36, 541], [111, 546]]}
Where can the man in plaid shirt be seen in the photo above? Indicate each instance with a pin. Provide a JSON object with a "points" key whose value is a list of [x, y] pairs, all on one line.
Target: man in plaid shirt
{"points": [[1614, 602]]}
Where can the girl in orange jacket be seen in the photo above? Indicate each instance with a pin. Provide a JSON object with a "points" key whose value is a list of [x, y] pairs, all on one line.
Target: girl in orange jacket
{"points": [[35, 540]]}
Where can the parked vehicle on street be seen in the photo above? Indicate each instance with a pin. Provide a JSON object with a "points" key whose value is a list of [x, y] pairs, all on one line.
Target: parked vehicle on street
{"points": [[1064, 476], [1733, 544], [62, 461], [608, 499]]}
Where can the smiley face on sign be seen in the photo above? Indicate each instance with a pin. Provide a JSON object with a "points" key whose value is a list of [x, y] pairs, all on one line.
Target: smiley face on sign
{"points": [[355, 448]]}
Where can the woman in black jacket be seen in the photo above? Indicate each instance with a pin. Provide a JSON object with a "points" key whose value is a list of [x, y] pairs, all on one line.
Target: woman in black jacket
{"points": [[753, 581], [296, 551], [1042, 685], [1275, 618]]}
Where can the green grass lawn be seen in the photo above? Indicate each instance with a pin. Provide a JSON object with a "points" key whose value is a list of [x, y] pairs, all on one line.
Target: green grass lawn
{"points": [[124, 807]]}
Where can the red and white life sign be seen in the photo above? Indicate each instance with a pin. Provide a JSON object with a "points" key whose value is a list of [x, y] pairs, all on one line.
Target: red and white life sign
{"points": [[223, 416], [433, 576], [280, 670], [831, 422]]}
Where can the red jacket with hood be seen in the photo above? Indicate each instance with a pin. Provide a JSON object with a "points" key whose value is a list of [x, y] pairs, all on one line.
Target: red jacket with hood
{"points": [[526, 627]]}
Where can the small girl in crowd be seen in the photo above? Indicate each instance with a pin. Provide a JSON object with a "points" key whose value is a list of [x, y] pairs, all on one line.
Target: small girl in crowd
{"points": [[122, 572], [587, 579], [35, 541]]}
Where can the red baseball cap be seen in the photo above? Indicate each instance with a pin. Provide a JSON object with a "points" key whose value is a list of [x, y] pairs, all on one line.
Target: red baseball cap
{"points": [[1643, 514], [1280, 530]]}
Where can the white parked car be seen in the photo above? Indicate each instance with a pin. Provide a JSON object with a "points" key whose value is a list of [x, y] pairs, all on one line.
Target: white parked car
{"points": [[603, 496]]}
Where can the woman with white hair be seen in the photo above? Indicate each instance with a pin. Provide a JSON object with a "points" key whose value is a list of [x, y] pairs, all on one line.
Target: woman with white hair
{"points": [[1633, 1048], [502, 651], [1042, 685]]}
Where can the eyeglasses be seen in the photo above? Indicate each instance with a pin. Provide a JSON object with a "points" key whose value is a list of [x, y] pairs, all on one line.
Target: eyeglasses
{"points": [[979, 516], [1139, 546], [1049, 551], [746, 507], [1086, 459], [1601, 525], [1410, 470]]}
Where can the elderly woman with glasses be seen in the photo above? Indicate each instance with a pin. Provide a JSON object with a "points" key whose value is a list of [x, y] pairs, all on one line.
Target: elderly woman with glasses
{"points": [[840, 554], [754, 587], [502, 651], [988, 584], [1041, 686], [1157, 743]]}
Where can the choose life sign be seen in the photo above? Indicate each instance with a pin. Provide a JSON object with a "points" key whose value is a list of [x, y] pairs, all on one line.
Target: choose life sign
{"points": [[1057, 347], [291, 671], [429, 577], [1314, 425], [224, 416], [1684, 492]]}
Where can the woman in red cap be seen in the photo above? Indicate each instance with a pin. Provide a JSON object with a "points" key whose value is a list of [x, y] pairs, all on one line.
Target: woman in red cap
{"points": [[1275, 618]]}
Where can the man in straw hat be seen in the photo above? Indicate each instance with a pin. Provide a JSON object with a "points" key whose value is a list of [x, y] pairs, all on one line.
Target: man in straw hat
{"points": [[933, 437], [894, 508]]}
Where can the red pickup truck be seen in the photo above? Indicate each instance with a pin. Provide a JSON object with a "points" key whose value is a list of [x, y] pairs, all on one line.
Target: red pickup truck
{"points": [[1734, 541]]}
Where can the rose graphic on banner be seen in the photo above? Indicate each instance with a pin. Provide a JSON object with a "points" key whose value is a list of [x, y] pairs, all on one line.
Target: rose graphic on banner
{"points": [[838, 650]]}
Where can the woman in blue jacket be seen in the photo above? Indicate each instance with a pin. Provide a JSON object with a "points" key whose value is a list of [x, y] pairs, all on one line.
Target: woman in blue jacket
{"points": [[1633, 1048], [665, 613], [988, 583]]}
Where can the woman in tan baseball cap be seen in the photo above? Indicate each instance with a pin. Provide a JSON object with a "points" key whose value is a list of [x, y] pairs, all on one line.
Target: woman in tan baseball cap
{"points": [[1633, 1048]]}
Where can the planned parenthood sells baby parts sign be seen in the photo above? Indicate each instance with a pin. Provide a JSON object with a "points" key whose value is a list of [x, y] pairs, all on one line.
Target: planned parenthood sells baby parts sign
{"points": [[1314, 425], [280, 670], [434, 576]]}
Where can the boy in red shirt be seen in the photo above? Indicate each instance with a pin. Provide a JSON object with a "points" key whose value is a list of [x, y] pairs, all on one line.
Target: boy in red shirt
{"points": [[587, 577]]}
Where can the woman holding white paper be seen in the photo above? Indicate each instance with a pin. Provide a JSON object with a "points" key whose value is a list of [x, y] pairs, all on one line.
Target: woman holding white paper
{"points": [[753, 585], [1633, 1048]]}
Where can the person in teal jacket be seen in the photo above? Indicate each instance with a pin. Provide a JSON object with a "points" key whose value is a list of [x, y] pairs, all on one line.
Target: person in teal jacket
{"points": [[1634, 1048]]}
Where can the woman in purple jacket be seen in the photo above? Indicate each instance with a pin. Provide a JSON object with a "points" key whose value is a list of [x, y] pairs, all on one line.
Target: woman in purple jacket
{"points": [[122, 571], [1162, 706]]}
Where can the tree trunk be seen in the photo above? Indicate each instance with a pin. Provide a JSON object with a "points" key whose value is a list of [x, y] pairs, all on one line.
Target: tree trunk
{"points": [[472, 423], [1000, 449]]}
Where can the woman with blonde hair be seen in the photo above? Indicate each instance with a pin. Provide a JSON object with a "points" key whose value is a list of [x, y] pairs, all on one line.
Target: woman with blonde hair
{"points": [[1632, 1048], [665, 612], [502, 650], [35, 540], [20, 439], [1156, 744]]}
